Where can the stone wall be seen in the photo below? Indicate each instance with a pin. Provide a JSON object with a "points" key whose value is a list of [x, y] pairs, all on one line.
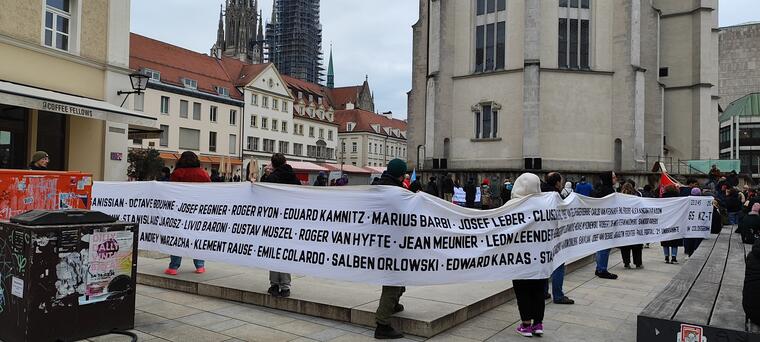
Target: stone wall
{"points": [[739, 62]]}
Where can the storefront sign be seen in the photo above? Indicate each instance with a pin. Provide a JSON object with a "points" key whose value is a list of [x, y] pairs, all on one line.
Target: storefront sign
{"points": [[66, 109], [388, 235]]}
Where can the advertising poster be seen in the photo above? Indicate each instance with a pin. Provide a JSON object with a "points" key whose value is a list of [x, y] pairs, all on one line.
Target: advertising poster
{"points": [[110, 266]]}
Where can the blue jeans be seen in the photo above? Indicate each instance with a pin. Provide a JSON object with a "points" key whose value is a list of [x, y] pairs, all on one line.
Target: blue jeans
{"points": [[602, 259], [558, 277], [176, 261], [733, 218], [673, 251]]}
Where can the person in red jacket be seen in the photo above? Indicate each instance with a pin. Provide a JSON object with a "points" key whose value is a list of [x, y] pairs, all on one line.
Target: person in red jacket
{"points": [[188, 169]]}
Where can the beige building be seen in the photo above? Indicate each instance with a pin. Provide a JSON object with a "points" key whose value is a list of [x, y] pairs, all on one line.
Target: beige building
{"points": [[288, 116], [62, 65], [575, 85], [197, 106], [368, 139]]}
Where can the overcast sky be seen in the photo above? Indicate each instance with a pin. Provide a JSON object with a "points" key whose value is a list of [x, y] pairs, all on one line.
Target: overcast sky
{"points": [[369, 37]]}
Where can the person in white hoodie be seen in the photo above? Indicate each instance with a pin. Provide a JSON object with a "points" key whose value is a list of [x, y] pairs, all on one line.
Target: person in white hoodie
{"points": [[567, 190], [529, 292]]}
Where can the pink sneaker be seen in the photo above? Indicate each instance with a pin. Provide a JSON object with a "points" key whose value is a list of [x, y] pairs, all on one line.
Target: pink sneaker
{"points": [[170, 271], [200, 270], [524, 330], [537, 329]]}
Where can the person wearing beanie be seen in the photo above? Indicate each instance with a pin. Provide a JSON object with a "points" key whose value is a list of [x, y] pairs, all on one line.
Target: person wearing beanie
{"points": [[321, 179], [432, 187], [40, 160], [529, 292], [390, 295], [749, 226], [485, 194]]}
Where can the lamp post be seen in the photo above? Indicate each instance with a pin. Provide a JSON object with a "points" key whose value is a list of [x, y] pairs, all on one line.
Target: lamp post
{"points": [[139, 84]]}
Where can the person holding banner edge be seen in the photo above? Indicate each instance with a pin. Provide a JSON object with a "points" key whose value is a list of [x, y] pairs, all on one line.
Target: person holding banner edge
{"points": [[282, 173], [390, 296], [529, 292], [188, 169], [603, 256], [553, 183]]}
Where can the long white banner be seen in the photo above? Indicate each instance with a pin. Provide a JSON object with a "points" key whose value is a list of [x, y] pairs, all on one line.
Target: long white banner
{"points": [[388, 235]]}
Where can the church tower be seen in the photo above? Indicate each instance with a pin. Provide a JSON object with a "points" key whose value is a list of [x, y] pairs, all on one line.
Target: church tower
{"points": [[239, 31], [330, 72]]}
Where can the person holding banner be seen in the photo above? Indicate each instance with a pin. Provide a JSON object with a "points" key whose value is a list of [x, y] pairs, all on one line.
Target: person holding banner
{"points": [[529, 292], [390, 296], [671, 245], [188, 169], [282, 173], [553, 183], [603, 256]]}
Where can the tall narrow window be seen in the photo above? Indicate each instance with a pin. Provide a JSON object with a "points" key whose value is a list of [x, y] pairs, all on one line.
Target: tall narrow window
{"points": [[486, 121], [212, 141], [574, 41], [164, 141], [183, 108], [502, 5], [490, 46], [233, 117], [233, 144], [164, 105], [196, 111], [501, 36], [479, 53], [480, 7], [57, 24], [212, 113], [490, 6]]}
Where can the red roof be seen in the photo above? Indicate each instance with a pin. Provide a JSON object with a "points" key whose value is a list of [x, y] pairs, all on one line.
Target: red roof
{"points": [[364, 121], [341, 96], [175, 63]]}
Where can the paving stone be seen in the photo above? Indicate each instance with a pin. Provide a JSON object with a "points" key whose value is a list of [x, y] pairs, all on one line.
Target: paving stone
{"points": [[252, 332], [141, 336], [301, 328], [186, 333], [144, 318], [169, 310]]}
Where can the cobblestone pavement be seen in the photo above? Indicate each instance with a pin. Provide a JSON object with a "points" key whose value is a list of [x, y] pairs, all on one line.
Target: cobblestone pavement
{"points": [[604, 310]]}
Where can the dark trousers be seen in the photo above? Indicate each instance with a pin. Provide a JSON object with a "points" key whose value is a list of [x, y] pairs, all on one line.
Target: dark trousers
{"points": [[690, 245], [625, 251], [530, 299], [388, 300]]}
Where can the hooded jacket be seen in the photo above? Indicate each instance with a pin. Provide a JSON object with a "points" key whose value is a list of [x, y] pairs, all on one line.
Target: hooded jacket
{"points": [[525, 185], [567, 190], [750, 295]]}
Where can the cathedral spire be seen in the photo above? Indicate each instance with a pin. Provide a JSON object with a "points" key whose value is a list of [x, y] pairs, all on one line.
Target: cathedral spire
{"points": [[330, 71], [260, 35], [220, 31]]}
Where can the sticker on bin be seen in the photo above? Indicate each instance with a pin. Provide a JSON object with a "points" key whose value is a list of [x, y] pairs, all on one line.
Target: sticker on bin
{"points": [[17, 287]]}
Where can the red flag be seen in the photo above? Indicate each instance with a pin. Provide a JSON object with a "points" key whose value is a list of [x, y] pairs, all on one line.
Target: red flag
{"points": [[666, 180]]}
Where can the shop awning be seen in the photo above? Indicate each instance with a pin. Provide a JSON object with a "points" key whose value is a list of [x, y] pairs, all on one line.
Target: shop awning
{"points": [[348, 168], [306, 166], [375, 169], [52, 101], [169, 156]]}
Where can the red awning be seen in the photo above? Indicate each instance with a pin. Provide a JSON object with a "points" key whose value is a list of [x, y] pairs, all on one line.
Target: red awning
{"points": [[306, 166]]}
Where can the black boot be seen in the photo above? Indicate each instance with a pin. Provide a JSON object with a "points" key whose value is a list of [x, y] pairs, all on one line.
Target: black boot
{"points": [[674, 260], [667, 259], [398, 308], [387, 332]]}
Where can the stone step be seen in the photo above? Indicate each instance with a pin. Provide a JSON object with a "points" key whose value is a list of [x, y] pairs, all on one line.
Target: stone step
{"points": [[429, 310]]}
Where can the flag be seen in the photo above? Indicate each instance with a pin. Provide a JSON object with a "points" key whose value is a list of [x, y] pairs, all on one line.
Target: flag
{"points": [[666, 180], [414, 175]]}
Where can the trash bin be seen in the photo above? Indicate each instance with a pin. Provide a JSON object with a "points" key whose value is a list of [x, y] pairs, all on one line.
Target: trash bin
{"points": [[66, 275]]}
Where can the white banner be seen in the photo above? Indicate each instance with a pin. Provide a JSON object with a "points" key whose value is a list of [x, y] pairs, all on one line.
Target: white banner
{"points": [[388, 235]]}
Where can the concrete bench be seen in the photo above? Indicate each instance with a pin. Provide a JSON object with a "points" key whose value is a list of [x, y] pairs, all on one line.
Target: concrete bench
{"points": [[705, 295]]}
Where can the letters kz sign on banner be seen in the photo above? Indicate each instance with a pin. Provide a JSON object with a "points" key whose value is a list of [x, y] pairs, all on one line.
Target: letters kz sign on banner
{"points": [[387, 235]]}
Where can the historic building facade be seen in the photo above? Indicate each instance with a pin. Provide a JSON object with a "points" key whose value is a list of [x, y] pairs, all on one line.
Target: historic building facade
{"points": [[197, 106], [369, 139], [739, 62], [288, 116], [576, 85], [63, 66]]}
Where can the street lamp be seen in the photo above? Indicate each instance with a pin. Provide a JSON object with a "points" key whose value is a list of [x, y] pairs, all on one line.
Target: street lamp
{"points": [[139, 84]]}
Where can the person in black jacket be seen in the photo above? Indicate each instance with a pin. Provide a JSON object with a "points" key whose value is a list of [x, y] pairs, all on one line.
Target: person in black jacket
{"points": [[390, 296], [448, 188], [282, 173], [432, 187], [321, 179], [603, 256], [733, 205], [749, 227], [670, 247], [750, 293], [470, 193], [39, 161]]}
